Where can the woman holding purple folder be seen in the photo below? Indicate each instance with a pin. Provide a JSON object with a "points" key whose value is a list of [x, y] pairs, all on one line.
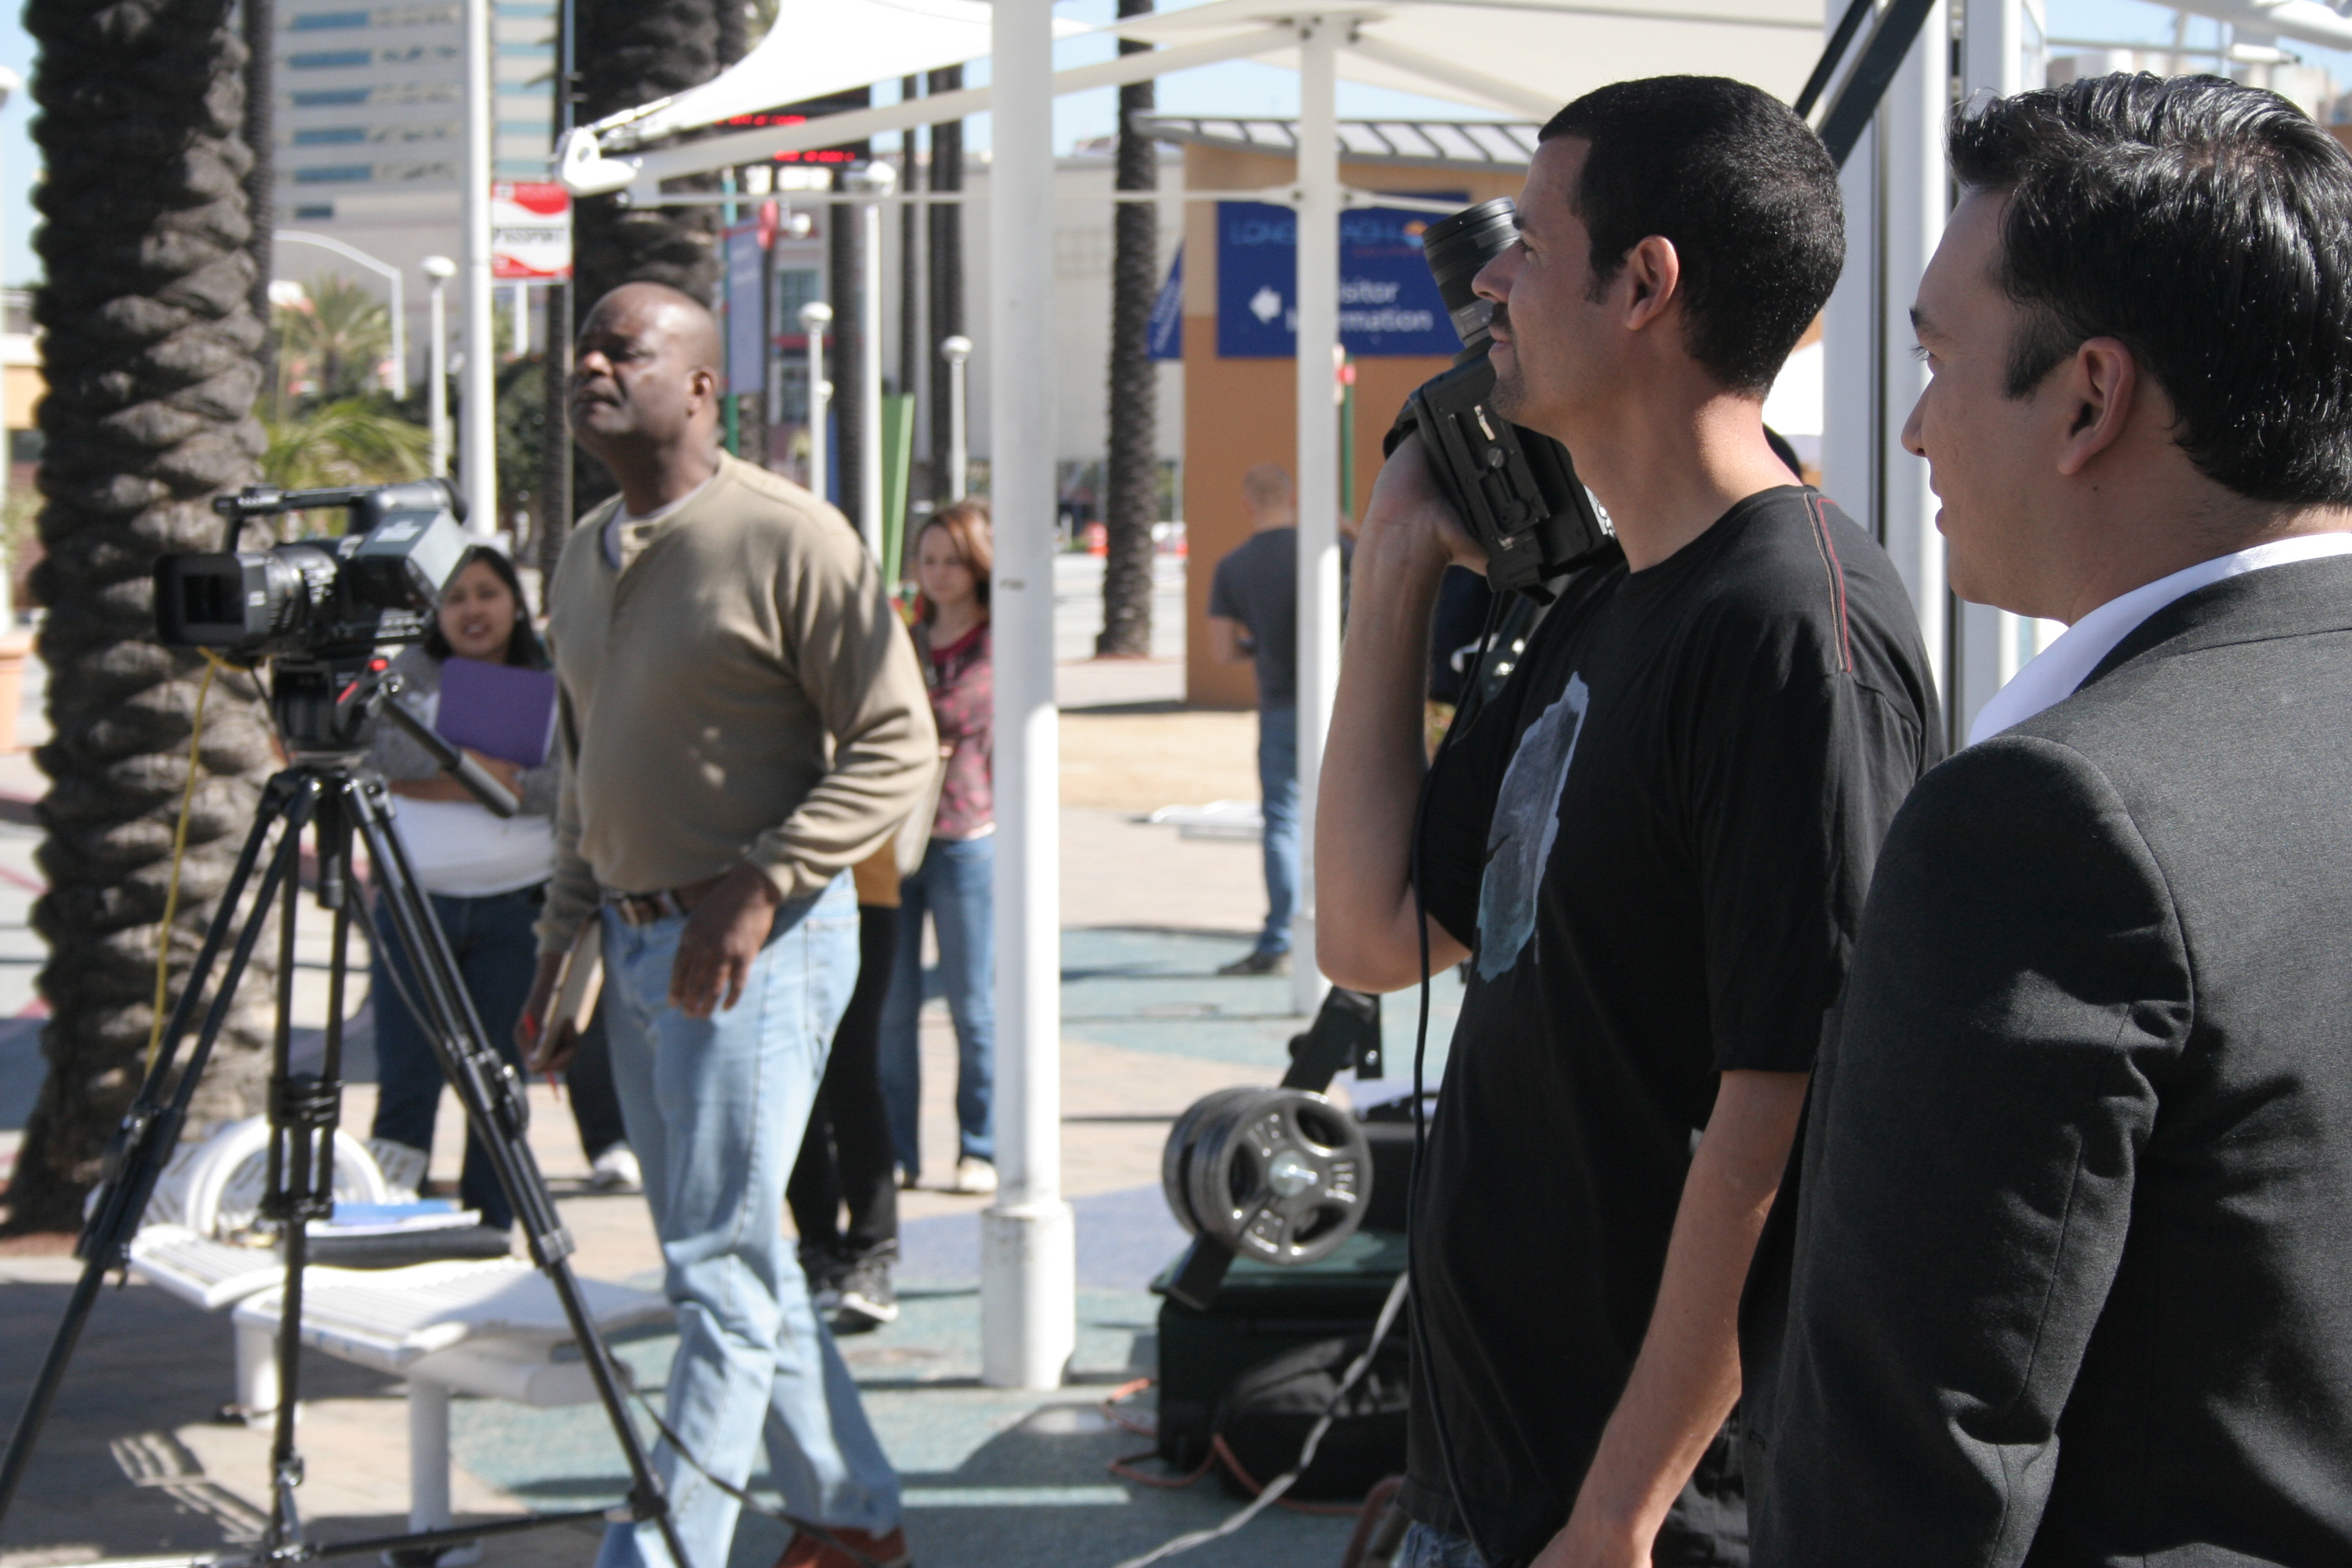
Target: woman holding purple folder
{"points": [[486, 875]]}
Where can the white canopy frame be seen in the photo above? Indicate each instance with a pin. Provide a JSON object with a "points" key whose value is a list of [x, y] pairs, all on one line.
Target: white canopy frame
{"points": [[1895, 189]]}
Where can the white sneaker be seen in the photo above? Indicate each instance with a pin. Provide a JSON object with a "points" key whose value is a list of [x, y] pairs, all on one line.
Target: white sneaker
{"points": [[974, 1178], [616, 1171]]}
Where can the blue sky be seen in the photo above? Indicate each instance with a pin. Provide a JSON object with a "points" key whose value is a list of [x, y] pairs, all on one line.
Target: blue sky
{"points": [[1237, 89]]}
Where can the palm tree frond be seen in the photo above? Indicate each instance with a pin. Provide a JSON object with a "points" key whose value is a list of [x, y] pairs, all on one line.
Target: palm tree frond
{"points": [[353, 441]]}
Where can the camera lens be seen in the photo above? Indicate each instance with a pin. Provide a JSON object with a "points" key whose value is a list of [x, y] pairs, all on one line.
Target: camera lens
{"points": [[1457, 247]]}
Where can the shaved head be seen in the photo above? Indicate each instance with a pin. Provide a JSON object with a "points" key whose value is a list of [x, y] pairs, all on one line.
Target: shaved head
{"points": [[678, 313], [645, 390]]}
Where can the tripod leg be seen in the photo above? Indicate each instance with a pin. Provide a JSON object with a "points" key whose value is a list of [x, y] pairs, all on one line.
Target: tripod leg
{"points": [[495, 1107], [151, 1129], [301, 1167], [157, 1115]]}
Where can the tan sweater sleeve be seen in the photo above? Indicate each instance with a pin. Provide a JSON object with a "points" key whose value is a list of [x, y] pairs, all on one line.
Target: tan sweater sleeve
{"points": [[572, 895], [846, 646]]}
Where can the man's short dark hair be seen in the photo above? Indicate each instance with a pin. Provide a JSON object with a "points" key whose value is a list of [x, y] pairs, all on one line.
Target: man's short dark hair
{"points": [[2208, 227], [1746, 194]]}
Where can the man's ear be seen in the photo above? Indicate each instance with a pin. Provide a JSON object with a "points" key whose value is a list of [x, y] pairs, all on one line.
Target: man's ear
{"points": [[2095, 394], [1653, 271], [702, 382]]}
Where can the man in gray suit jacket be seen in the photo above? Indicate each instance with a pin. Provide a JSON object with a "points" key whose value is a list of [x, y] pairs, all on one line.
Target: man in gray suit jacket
{"points": [[2067, 1274]]}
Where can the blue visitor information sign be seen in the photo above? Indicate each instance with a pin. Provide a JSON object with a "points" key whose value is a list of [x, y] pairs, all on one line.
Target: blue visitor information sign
{"points": [[1389, 304]]}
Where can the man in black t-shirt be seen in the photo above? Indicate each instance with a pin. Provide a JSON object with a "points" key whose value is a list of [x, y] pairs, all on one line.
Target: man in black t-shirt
{"points": [[1651, 846]]}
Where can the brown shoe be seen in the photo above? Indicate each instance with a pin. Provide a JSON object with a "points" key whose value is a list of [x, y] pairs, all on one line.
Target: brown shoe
{"points": [[878, 1550]]}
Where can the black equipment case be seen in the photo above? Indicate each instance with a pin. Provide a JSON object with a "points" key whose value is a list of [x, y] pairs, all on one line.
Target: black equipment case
{"points": [[1259, 1312]]}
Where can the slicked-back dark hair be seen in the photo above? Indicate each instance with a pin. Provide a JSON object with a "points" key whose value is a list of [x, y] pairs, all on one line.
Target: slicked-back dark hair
{"points": [[2208, 227], [1746, 194]]}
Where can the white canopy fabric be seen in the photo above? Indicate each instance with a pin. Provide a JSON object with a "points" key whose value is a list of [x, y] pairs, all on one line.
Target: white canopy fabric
{"points": [[1528, 56], [818, 47], [1524, 56]]}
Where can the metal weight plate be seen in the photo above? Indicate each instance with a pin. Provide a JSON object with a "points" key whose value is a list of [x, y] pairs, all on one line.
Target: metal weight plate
{"points": [[1175, 1156], [1281, 1176]]}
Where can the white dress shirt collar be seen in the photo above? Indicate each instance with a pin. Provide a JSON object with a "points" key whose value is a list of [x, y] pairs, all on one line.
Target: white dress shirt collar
{"points": [[2057, 670]]}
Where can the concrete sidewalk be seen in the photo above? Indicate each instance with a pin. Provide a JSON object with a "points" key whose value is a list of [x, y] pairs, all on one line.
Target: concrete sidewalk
{"points": [[134, 1463]]}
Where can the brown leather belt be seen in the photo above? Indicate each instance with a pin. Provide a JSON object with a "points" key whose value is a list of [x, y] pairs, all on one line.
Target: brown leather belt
{"points": [[644, 908]]}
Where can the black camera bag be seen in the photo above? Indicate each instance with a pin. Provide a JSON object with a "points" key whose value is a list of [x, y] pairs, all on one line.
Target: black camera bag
{"points": [[1266, 1416]]}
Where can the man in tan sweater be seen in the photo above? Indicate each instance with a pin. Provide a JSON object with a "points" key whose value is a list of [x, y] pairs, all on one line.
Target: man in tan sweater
{"points": [[742, 721]]}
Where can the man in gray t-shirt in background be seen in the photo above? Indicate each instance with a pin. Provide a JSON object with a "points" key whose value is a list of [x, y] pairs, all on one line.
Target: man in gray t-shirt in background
{"points": [[1254, 616]]}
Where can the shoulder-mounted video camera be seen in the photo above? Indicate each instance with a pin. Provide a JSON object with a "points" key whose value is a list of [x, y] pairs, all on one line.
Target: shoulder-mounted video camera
{"points": [[1515, 490], [378, 582]]}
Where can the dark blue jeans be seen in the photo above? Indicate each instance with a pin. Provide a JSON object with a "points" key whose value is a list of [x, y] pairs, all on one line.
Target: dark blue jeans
{"points": [[956, 886], [496, 952], [1277, 783]]}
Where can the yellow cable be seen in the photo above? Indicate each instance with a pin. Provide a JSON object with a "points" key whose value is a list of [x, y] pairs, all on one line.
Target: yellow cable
{"points": [[213, 664]]}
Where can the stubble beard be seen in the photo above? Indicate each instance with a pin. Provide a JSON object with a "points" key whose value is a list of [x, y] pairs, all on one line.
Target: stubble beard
{"points": [[1510, 391]]}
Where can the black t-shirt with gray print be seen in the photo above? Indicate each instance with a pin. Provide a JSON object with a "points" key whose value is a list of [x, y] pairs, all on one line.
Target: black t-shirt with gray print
{"points": [[1656, 839]]}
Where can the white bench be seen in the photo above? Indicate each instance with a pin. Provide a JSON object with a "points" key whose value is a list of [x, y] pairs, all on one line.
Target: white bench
{"points": [[493, 1329]]}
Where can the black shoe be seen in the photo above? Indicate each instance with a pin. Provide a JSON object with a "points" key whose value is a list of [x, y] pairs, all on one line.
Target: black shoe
{"points": [[868, 1300], [1259, 963], [825, 1269]]}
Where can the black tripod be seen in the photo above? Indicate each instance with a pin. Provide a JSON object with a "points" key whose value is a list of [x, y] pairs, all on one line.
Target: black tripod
{"points": [[326, 706]]}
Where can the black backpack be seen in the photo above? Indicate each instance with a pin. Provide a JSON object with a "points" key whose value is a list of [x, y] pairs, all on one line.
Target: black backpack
{"points": [[1266, 1416]]}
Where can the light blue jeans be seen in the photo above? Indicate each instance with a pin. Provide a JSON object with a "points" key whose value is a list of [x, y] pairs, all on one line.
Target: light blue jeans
{"points": [[715, 1109], [1277, 783], [1425, 1546], [956, 886]]}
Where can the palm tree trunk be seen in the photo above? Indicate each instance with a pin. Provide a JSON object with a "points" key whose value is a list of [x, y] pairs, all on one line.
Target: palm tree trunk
{"points": [[1132, 505], [260, 17], [734, 31], [152, 357], [632, 52]]}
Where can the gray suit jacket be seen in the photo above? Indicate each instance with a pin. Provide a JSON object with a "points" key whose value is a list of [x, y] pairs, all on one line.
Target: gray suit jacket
{"points": [[2067, 1277]]}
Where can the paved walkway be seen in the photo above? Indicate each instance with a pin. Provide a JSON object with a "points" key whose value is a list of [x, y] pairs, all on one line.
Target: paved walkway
{"points": [[135, 1464]]}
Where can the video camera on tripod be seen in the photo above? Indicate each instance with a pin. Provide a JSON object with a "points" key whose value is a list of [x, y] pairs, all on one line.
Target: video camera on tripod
{"points": [[319, 610], [378, 582]]}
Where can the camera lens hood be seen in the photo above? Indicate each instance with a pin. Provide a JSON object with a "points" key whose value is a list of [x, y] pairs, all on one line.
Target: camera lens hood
{"points": [[1456, 248]]}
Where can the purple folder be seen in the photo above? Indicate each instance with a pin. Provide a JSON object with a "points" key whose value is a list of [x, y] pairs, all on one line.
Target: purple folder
{"points": [[498, 710]]}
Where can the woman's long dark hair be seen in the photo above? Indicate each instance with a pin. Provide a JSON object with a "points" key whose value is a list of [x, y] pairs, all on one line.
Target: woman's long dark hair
{"points": [[965, 523], [523, 648]]}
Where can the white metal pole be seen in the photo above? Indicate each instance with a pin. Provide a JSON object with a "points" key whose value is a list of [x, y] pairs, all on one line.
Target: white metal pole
{"points": [[522, 321], [478, 441], [1992, 57], [1028, 1259], [815, 316], [1913, 189], [439, 269], [429, 1454], [873, 181], [399, 338], [957, 349], [1850, 359], [1318, 458]]}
